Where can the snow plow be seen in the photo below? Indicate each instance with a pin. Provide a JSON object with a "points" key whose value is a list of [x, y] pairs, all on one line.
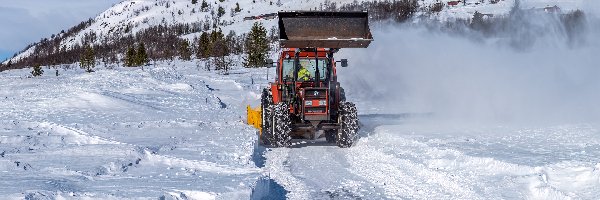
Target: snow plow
{"points": [[306, 101]]}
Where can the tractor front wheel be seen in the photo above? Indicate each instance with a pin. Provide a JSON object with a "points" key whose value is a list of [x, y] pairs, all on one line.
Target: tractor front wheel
{"points": [[281, 126], [348, 119], [267, 114]]}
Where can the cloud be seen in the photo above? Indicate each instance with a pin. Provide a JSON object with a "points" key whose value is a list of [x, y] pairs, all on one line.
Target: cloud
{"points": [[27, 21]]}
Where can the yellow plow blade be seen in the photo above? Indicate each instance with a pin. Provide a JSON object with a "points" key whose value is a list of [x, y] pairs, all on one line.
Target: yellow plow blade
{"points": [[254, 117]]}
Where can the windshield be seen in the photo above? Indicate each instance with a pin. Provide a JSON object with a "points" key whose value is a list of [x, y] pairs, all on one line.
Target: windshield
{"points": [[305, 63]]}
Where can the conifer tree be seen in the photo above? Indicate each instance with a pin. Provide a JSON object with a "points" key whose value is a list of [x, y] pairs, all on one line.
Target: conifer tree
{"points": [[215, 37], [37, 70], [220, 12], [204, 6], [184, 50], [216, 34], [232, 42], [204, 46], [130, 57], [194, 1], [219, 46], [141, 56], [257, 46], [88, 59], [221, 51]]}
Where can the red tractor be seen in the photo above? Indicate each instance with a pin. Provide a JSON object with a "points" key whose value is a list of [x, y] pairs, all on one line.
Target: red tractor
{"points": [[306, 99]]}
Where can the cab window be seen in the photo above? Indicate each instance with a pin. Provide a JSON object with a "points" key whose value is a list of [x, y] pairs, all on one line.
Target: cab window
{"points": [[309, 64]]}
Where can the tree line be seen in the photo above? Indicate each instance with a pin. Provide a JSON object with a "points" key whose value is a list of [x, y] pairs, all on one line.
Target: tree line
{"points": [[164, 41], [155, 43]]}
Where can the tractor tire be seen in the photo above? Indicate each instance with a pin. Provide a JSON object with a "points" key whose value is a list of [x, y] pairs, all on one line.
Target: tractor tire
{"points": [[281, 126], [330, 136], [267, 114], [348, 119]]}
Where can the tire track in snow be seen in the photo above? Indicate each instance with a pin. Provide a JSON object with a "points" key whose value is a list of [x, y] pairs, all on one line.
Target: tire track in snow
{"points": [[403, 178], [277, 169], [400, 167]]}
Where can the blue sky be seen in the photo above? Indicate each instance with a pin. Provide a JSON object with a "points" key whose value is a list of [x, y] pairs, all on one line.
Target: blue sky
{"points": [[4, 56], [27, 21]]}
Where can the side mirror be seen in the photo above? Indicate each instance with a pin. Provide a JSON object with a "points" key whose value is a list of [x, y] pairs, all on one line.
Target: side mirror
{"points": [[344, 62], [269, 63]]}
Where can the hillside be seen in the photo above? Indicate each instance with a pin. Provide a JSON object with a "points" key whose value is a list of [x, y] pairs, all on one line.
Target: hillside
{"points": [[129, 22]]}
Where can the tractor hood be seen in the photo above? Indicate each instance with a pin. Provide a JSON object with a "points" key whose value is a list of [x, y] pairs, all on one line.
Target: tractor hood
{"points": [[310, 29]]}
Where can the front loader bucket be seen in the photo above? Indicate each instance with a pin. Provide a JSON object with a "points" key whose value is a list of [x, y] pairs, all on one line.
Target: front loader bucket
{"points": [[310, 29], [254, 117]]}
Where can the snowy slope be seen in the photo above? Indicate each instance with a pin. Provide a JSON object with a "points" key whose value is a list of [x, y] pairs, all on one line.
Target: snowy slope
{"points": [[141, 14]]}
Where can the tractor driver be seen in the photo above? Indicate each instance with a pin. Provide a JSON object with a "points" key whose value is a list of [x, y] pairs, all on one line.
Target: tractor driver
{"points": [[303, 73]]}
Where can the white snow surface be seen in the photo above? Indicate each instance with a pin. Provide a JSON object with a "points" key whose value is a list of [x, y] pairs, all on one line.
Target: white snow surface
{"points": [[177, 132], [167, 131]]}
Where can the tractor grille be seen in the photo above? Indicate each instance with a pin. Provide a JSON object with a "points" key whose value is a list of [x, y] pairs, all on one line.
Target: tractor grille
{"points": [[316, 104]]}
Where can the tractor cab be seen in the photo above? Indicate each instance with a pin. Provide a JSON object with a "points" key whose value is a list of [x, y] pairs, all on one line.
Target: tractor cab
{"points": [[305, 76]]}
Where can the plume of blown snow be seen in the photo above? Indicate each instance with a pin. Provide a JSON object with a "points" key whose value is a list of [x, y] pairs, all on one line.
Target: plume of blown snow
{"points": [[413, 69]]}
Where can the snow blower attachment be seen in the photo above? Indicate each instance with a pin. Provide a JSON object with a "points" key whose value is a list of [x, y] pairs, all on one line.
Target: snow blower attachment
{"points": [[254, 117], [306, 100]]}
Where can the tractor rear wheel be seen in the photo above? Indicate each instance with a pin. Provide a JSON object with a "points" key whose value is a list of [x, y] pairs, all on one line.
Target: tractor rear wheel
{"points": [[348, 119], [281, 126], [267, 114]]}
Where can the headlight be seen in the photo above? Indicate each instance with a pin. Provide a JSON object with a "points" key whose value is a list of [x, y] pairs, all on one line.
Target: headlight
{"points": [[322, 102], [308, 103]]}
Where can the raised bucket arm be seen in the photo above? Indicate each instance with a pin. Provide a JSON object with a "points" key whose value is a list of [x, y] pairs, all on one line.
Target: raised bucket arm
{"points": [[311, 29]]}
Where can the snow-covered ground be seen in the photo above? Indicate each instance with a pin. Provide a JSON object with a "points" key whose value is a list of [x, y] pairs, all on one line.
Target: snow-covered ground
{"points": [[178, 132], [165, 131], [411, 160]]}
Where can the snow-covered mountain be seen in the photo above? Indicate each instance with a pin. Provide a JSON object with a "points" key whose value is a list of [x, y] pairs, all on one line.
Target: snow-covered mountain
{"points": [[131, 16]]}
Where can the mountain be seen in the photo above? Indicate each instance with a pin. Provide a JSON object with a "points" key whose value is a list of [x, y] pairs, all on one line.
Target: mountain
{"points": [[168, 22]]}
